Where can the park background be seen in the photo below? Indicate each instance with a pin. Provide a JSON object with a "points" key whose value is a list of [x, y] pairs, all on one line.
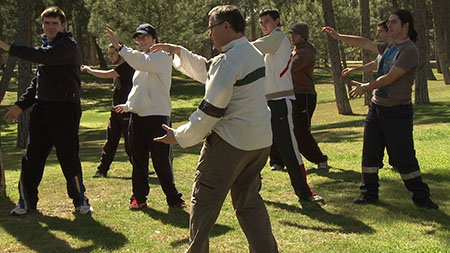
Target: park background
{"points": [[393, 225]]}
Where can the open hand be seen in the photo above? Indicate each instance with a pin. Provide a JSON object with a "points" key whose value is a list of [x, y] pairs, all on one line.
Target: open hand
{"points": [[13, 114], [330, 31], [109, 33], [358, 91], [346, 71], [169, 48], [169, 138]]}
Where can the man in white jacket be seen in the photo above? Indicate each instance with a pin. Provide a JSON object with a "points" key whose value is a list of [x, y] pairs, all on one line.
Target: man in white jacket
{"points": [[235, 118], [150, 106], [276, 48]]}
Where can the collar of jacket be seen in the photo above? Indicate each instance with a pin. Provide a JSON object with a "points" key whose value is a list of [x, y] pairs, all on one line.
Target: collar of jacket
{"points": [[233, 43], [58, 36]]}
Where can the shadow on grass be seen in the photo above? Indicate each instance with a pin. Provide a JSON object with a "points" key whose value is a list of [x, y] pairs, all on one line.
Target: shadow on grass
{"points": [[436, 112], [325, 136], [175, 216], [180, 218], [398, 194], [216, 231], [42, 239], [340, 176], [316, 212]]}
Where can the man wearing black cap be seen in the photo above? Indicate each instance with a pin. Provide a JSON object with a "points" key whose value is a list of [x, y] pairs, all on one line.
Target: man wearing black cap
{"points": [[150, 106], [303, 62]]}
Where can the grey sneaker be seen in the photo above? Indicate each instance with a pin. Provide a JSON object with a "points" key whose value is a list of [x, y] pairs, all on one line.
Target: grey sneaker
{"points": [[323, 166], [84, 209], [316, 199], [100, 174], [276, 167], [18, 211]]}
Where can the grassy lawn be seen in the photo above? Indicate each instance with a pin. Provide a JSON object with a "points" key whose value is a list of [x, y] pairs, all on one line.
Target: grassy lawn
{"points": [[392, 225]]}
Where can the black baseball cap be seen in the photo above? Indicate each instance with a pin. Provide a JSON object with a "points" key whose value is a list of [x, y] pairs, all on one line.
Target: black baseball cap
{"points": [[145, 29]]}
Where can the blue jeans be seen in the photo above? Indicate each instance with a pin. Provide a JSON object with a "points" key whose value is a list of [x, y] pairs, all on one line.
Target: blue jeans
{"points": [[391, 127]]}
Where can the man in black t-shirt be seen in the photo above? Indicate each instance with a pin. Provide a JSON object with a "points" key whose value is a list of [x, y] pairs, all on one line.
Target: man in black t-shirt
{"points": [[118, 123]]}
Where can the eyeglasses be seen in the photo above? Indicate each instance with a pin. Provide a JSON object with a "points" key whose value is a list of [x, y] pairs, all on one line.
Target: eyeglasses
{"points": [[140, 37], [211, 27]]}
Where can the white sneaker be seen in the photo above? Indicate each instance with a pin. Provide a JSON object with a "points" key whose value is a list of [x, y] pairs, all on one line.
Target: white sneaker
{"points": [[316, 199], [276, 167], [85, 209], [18, 211]]}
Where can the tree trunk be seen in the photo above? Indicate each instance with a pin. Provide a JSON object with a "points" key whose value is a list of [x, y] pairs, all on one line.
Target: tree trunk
{"points": [[7, 74], [430, 74], [2, 174], [364, 12], [421, 88], [438, 62], [23, 37], [101, 59], [78, 34], [344, 64], [439, 18], [339, 86], [92, 60], [253, 19]]}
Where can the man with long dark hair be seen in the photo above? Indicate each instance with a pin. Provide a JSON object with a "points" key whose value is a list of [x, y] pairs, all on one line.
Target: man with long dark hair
{"points": [[389, 121]]}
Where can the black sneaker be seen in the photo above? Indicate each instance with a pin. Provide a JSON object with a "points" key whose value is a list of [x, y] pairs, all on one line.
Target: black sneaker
{"points": [[426, 203], [180, 204], [365, 199], [100, 174]]}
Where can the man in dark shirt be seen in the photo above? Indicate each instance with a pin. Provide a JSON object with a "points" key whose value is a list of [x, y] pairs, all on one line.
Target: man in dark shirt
{"points": [[118, 122], [55, 118]]}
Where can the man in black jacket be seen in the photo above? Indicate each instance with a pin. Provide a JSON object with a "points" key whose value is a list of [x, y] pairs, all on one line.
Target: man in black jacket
{"points": [[55, 118]]}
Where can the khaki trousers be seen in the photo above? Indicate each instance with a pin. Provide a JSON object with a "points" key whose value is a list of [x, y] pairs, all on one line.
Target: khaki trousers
{"points": [[223, 167]]}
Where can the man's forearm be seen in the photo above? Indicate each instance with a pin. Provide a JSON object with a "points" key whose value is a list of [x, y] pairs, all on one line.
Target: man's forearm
{"points": [[4, 46], [103, 73], [366, 67], [358, 41]]}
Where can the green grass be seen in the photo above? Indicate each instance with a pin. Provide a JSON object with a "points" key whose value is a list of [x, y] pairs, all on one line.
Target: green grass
{"points": [[393, 225]]}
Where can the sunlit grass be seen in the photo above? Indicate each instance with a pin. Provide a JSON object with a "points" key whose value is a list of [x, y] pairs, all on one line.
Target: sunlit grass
{"points": [[393, 225]]}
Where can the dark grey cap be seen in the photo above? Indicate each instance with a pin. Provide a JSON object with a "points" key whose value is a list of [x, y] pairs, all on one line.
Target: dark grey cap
{"points": [[145, 29], [300, 28]]}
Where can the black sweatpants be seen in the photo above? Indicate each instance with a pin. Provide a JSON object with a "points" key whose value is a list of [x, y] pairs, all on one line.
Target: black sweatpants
{"points": [[142, 131], [117, 126], [52, 124], [303, 111]]}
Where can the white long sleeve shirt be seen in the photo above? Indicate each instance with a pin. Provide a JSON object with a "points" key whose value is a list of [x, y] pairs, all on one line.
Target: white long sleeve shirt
{"points": [[276, 49], [246, 121], [150, 94]]}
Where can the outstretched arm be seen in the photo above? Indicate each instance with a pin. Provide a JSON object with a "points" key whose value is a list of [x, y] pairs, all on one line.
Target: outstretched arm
{"points": [[169, 48], [353, 40], [111, 73], [364, 68], [4, 46], [382, 81]]}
